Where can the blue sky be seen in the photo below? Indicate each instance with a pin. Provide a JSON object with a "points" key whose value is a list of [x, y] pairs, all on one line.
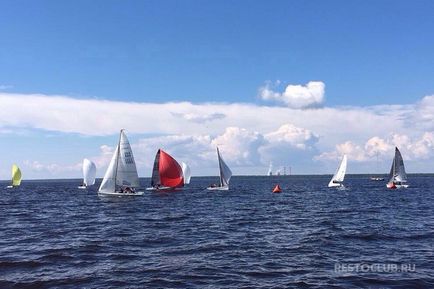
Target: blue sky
{"points": [[366, 53]]}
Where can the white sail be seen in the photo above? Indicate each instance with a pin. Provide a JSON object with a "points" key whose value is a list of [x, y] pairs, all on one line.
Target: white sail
{"points": [[108, 182], [225, 171], [339, 175], [122, 169], [270, 170], [186, 172], [397, 171], [89, 172], [127, 171]]}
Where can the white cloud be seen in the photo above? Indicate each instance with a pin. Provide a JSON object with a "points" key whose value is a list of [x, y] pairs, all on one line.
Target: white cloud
{"points": [[240, 145], [52, 169], [412, 149], [200, 117], [251, 135], [296, 96]]}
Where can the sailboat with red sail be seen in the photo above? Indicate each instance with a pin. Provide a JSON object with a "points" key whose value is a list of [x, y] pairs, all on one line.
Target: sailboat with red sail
{"points": [[167, 173]]}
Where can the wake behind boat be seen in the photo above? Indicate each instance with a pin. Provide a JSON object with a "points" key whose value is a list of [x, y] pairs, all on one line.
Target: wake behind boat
{"points": [[167, 174], [397, 175], [121, 178], [225, 175], [339, 175]]}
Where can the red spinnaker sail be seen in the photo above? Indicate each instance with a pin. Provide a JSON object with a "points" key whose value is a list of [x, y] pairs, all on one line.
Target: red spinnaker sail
{"points": [[170, 171]]}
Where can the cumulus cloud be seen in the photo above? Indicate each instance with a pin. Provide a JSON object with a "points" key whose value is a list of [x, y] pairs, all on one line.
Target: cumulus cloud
{"points": [[240, 145], [421, 114], [250, 135], [412, 149], [296, 96]]}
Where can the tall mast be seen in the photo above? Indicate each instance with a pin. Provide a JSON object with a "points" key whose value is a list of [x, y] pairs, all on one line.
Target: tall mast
{"points": [[220, 167], [117, 157]]}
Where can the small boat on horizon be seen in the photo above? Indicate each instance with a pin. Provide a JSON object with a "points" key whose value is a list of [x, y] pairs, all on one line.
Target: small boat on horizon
{"points": [[225, 175], [270, 170], [89, 173], [339, 175], [376, 178], [16, 177], [397, 175], [186, 173], [167, 174], [121, 178]]}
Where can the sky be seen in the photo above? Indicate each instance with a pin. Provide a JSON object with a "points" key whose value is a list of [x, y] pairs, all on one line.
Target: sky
{"points": [[293, 83]]}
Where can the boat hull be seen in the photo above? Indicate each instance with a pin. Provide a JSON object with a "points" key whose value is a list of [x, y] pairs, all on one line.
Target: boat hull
{"points": [[120, 194], [163, 189], [217, 188], [393, 186], [335, 185], [82, 187]]}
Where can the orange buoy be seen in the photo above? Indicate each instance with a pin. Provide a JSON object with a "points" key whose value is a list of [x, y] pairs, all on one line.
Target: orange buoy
{"points": [[277, 189]]}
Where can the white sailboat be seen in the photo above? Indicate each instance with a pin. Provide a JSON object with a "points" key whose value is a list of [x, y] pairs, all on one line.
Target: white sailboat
{"points": [[375, 178], [89, 173], [339, 175], [397, 176], [121, 178], [186, 172], [225, 175], [270, 170]]}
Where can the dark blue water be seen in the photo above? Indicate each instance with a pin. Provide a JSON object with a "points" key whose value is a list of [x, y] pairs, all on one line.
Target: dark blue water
{"points": [[54, 235]]}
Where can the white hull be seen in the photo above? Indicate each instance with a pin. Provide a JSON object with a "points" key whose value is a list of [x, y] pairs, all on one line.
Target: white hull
{"points": [[376, 179], [396, 186], [335, 185], [82, 187], [217, 188], [10, 187], [120, 194]]}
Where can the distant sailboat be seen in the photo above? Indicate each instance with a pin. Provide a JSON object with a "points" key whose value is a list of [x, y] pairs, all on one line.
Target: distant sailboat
{"points": [[225, 175], [373, 178], [270, 170], [186, 173], [167, 174], [339, 175], [397, 175], [121, 178], [89, 172], [16, 176]]}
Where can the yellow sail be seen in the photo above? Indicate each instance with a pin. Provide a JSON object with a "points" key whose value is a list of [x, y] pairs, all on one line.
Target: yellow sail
{"points": [[16, 176]]}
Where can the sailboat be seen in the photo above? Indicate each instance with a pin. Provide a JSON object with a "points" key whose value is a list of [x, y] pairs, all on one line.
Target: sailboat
{"points": [[225, 175], [373, 178], [397, 176], [270, 170], [121, 177], [186, 173], [167, 174], [339, 175], [16, 177], [89, 172]]}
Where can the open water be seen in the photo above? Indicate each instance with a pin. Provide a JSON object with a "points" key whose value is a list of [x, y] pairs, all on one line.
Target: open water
{"points": [[53, 235]]}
